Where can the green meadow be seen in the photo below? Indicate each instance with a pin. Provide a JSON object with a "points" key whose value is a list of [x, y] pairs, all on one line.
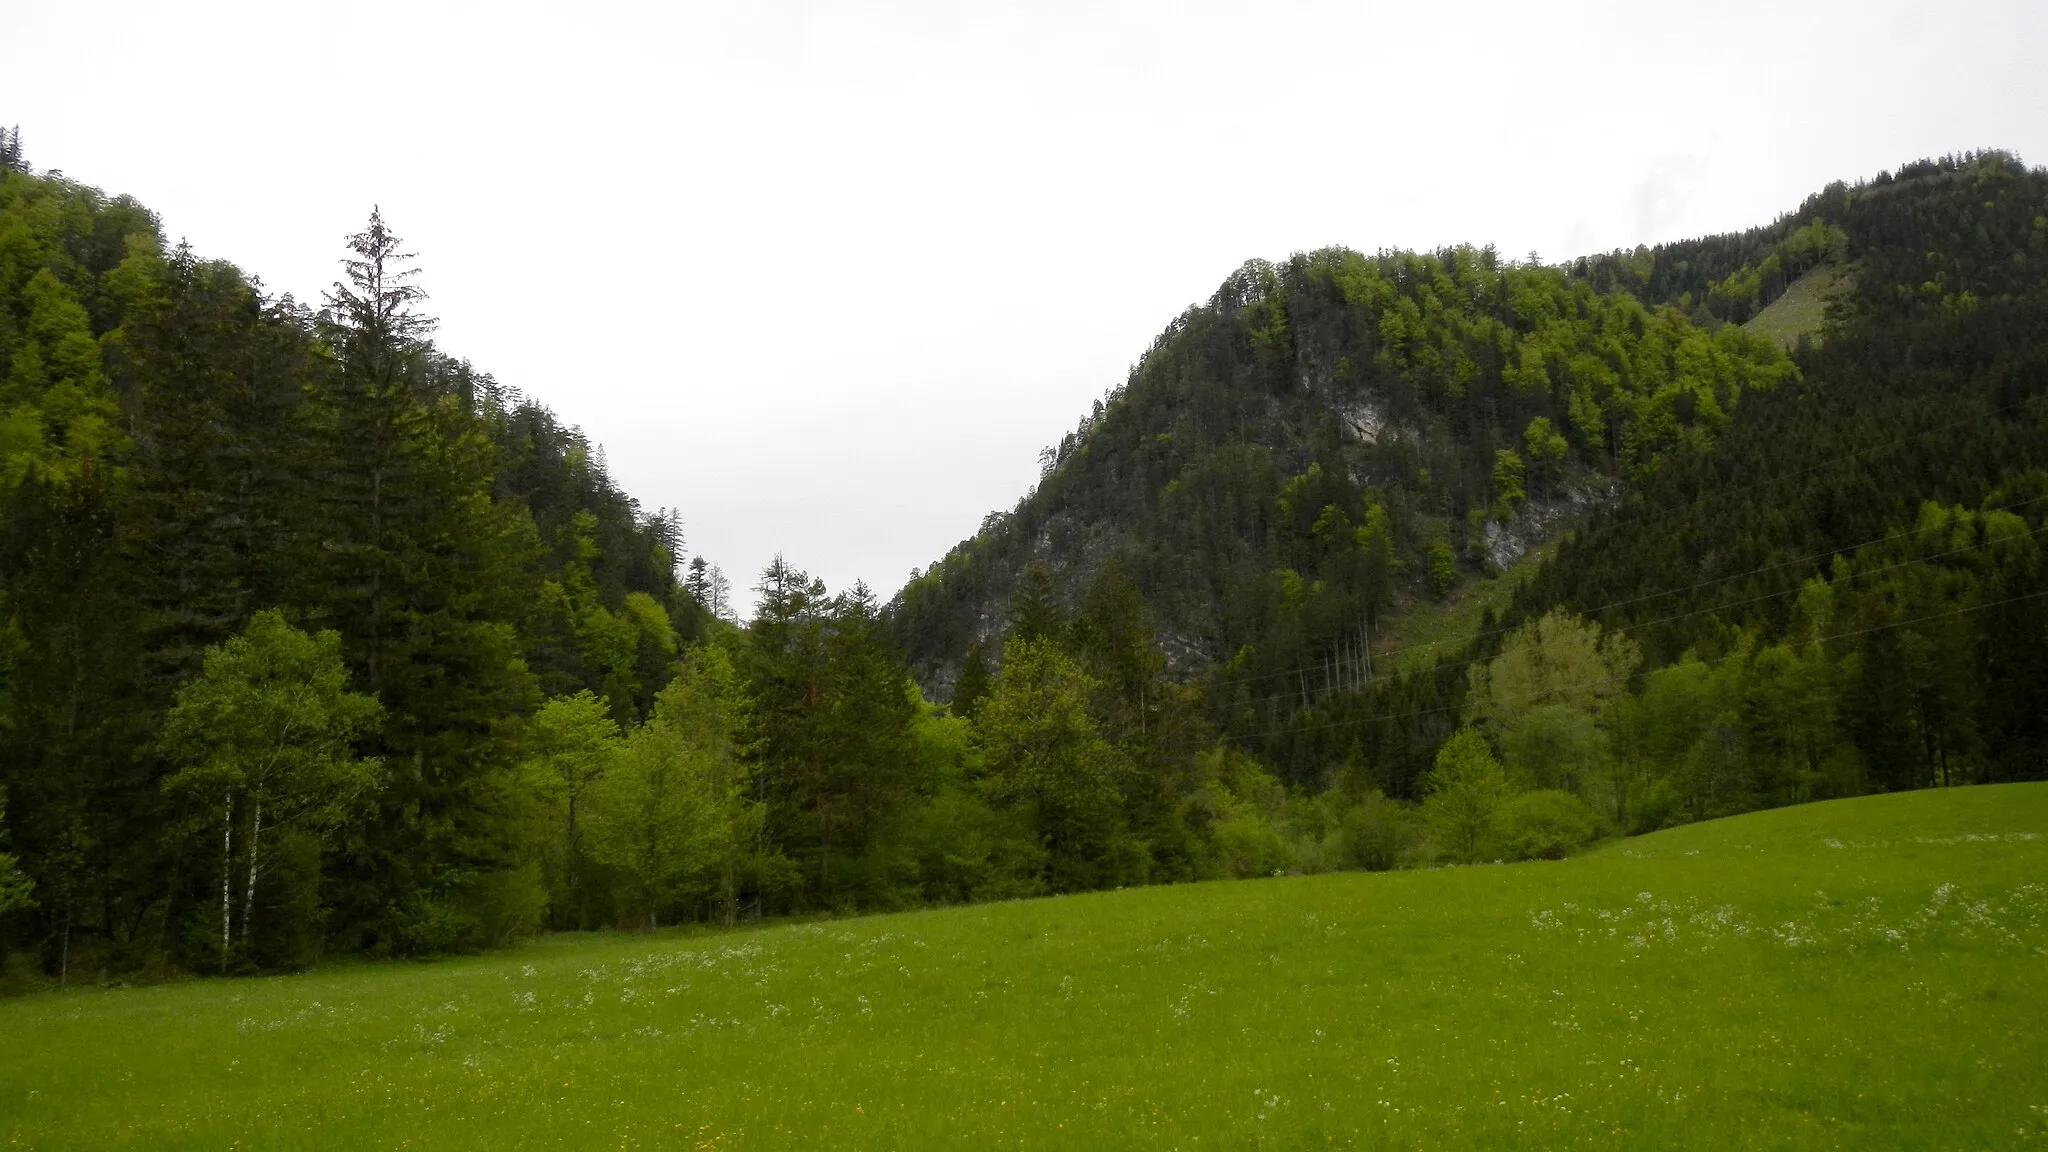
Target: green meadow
{"points": [[1865, 973]]}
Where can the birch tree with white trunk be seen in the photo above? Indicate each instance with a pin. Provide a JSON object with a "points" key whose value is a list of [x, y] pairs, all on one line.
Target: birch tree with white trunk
{"points": [[263, 740]]}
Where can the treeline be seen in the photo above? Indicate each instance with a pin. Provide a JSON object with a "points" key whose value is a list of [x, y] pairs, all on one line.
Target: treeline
{"points": [[181, 452]]}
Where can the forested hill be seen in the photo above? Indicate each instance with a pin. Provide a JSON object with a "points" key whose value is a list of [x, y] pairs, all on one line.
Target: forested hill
{"points": [[1879, 520], [1332, 436], [1332, 442], [179, 451]]}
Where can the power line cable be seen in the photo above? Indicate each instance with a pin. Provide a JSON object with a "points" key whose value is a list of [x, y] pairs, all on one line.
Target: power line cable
{"points": [[1614, 679], [1600, 609], [1854, 575]]}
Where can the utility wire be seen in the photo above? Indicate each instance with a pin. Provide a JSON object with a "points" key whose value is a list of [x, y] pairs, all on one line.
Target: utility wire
{"points": [[1854, 575], [1600, 609], [1614, 679]]}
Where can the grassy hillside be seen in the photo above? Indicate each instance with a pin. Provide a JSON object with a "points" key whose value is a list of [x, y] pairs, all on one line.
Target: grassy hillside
{"points": [[1804, 305], [1860, 973]]}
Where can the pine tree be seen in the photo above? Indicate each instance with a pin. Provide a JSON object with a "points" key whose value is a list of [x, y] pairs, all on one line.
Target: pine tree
{"points": [[973, 684], [1035, 612], [378, 432]]}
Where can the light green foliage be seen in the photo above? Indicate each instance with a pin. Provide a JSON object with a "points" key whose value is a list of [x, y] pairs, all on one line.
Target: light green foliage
{"points": [[1693, 730], [1047, 756], [270, 721], [648, 819], [1443, 564], [1293, 593], [1637, 382], [1545, 448], [672, 812], [1244, 811], [262, 744], [1547, 824], [1466, 792], [571, 742], [57, 413], [1556, 746], [1376, 833], [1856, 975], [1508, 488], [961, 846], [1814, 248], [1557, 659]]}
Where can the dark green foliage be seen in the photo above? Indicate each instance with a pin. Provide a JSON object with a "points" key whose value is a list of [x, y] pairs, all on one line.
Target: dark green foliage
{"points": [[179, 452], [972, 686], [1035, 612], [1812, 577], [1319, 443], [1919, 426]]}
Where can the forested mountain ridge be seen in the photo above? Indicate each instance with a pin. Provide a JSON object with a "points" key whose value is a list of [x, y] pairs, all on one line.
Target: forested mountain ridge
{"points": [[1263, 491], [1863, 557], [1326, 432]]}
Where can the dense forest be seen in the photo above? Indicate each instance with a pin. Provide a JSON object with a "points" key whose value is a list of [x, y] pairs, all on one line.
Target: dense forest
{"points": [[185, 457], [1710, 500], [314, 640]]}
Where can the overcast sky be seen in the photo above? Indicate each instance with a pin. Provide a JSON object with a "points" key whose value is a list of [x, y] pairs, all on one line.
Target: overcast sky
{"points": [[826, 277]]}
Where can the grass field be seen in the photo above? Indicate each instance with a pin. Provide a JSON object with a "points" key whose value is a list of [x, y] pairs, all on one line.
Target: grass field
{"points": [[1804, 305], [1418, 631], [1868, 973]]}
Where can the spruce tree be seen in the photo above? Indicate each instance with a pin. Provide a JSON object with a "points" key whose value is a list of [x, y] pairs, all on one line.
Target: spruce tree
{"points": [[973, 683], [1035, 612]]}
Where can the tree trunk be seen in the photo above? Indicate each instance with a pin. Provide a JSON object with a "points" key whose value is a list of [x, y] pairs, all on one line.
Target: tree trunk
{"points": [[569, 863], [376, 574], [249, 891], [227, 861]]}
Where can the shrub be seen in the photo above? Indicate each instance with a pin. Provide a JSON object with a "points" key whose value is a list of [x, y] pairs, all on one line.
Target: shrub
{"points": [[1247, 844], [427, 926], [1660, 806], [1545, 825], [1374, 832], [504, 905]]}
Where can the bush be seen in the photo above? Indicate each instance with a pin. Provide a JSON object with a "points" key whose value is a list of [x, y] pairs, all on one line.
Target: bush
{"points": [[1660, 806], [1545, 825], [1374, 832], [426, 926], [504, 905], [1248, 845], [965, 850]]}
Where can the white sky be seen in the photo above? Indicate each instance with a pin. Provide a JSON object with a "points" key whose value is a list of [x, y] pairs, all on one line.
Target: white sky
{"points": [[827, 276]]}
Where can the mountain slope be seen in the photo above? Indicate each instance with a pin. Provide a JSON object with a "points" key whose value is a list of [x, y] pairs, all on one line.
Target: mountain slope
{"points": [[1319, 457], [1329, 433]]}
